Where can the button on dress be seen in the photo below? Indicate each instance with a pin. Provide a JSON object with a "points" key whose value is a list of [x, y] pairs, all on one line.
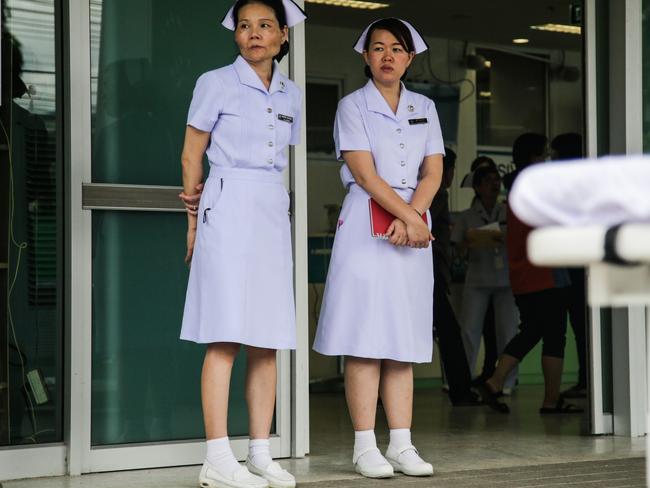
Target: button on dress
{"points": [[378, 299], [240, 287]]}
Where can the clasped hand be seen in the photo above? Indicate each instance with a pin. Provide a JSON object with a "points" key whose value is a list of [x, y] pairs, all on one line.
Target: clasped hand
{"points": [[412, 234]]}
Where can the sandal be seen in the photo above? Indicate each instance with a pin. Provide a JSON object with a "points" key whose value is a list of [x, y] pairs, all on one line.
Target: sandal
{"points": [[560, 408], [491, 399], [576, 391]]}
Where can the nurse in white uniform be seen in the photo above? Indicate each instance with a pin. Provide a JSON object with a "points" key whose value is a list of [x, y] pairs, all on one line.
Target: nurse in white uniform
{"points": [[240, 287], [378, 302]]}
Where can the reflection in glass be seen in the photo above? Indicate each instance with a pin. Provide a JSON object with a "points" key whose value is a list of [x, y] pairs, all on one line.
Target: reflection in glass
{"points": [[30, 228], [511, 98], [145, 58]]}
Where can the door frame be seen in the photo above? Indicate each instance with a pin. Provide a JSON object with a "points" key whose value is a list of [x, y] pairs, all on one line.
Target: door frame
{"points": [[621, 113]]}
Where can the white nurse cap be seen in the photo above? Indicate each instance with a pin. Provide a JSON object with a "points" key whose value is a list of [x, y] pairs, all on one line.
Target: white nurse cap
{"points": [[419, 43], [294, 14]]}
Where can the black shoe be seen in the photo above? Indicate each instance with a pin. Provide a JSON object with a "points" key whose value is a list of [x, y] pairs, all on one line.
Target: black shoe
{"points": [[470, 400], [491, 399]]}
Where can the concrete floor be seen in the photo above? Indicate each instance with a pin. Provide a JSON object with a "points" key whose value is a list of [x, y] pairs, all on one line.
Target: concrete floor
{"points": [[455, 440]]}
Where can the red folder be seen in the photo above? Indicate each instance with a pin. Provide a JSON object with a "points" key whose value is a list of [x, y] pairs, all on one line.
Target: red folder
{"points": [[380, 219]]}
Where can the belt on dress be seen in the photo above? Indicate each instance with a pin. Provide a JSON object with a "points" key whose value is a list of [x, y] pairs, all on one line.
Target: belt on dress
{"points": [[404, 193], [248, 174]]}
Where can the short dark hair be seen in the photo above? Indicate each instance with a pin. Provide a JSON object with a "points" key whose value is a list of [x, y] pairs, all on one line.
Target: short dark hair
{"points": [[449, 159], [482, 172], [527, 146], [567, 146], [483, 161], [280, 15], [395, 27]]}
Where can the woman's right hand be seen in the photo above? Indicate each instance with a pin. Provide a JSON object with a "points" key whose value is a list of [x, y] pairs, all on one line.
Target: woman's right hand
{"points": [[191, 236], [418, 232], [191, 202]]}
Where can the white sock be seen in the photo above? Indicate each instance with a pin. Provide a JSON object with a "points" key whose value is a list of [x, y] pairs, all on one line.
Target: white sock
{"points": [[400, 439], [220, 456], [364, 440], [259, 452]]}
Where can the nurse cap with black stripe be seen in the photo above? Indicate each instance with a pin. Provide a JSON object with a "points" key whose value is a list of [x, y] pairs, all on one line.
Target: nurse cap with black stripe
{"points": [[419, 44], [294, 14]]}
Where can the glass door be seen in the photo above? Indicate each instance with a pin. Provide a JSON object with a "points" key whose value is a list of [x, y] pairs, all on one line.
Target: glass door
{"points": [[144, 395], [31, 239]]}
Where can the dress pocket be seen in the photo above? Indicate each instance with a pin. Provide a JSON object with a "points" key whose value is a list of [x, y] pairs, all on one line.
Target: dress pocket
{"points": [[210, 202]]}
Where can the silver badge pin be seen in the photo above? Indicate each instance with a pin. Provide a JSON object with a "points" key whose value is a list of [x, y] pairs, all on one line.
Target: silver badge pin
{"points": [[410, 108]]}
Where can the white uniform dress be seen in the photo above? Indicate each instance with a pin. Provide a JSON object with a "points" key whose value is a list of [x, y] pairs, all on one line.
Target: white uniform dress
{"points": [[378, 300], [241, 280]]}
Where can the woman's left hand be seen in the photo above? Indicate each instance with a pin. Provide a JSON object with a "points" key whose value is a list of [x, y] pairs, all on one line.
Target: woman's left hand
{"points": [[397, 233]]}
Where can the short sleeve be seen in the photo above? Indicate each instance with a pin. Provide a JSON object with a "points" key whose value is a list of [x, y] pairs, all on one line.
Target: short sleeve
{"points": [[435, 143], [459, 228], [349, 131], [297, 121], [207, 103]]}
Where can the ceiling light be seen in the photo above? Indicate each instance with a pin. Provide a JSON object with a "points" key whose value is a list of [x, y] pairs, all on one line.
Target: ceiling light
{"points": [[563, 28], [485, 94], [520, 41], [350, 3]]}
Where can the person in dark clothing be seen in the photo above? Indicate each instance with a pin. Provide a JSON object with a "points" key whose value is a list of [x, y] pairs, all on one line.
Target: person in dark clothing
{"points": [[450, 341], [541, 295], [528, 148], [567, 147]]}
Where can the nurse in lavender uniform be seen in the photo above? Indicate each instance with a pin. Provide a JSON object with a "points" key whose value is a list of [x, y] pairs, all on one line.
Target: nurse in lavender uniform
{"points": [[378, 303], [240, 289]]}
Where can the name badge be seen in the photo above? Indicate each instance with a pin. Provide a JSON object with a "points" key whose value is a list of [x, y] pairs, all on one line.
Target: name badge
{"points": [[418, 121], [285, 118]]}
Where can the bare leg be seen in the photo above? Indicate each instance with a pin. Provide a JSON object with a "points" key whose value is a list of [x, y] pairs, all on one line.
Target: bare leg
{"points": [[397, 393], [552, 368], [361, 391], [261, 378], [506, 364], [215, 386]]}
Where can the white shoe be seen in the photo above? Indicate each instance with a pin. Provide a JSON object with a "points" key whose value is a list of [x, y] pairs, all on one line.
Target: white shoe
{"points": [[274, 474], [411, 468], [242, 478], [384, 470]]}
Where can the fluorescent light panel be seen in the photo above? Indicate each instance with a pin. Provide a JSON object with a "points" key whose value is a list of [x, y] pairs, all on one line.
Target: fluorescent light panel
{"points": [[520, 41], [350, 3], [563, 28]]}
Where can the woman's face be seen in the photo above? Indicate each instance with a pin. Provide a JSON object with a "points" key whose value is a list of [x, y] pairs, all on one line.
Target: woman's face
{"points": [[258, 34], [489, 187], [386, 57]]}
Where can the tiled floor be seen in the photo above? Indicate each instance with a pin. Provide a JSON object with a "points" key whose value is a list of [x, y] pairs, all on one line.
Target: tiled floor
{"points": [[469, 443]]}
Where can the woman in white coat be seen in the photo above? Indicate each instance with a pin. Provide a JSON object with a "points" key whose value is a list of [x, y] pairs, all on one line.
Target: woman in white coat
{"points": [[378, 302], [240, 290]]}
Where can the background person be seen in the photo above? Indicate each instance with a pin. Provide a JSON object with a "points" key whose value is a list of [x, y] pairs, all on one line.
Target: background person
{"points": [[486, 280]]}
